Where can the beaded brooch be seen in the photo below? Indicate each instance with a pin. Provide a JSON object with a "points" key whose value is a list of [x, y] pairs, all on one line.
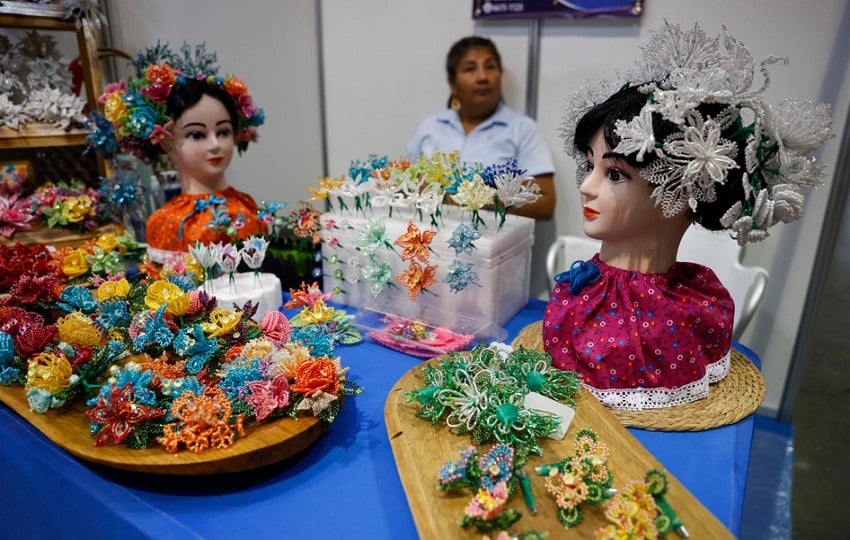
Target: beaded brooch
{"points": [[482, 391]]}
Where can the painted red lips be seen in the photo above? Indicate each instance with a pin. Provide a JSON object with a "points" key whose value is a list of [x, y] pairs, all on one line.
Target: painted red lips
{"points": [[590, 212]]}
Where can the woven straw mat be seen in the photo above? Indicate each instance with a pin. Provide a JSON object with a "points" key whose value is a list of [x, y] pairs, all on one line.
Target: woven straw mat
{"points": [[732, 399]]}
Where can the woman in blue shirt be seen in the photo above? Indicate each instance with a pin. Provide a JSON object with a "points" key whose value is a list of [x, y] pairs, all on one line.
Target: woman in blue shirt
{"points": [[481, 127]]}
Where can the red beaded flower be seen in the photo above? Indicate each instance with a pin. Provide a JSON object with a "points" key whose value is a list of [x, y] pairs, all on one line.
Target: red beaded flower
{"points": [[119, 414]]}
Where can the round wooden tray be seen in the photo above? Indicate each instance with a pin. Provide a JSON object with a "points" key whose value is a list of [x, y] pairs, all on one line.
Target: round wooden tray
{"points": [[263, 444]]}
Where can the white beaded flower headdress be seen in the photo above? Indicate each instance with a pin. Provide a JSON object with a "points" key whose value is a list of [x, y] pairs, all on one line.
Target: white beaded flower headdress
{"points": [[680, 73]]}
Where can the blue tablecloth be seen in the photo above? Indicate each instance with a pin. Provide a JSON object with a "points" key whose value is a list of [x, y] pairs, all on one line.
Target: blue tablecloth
{"points": [[345, 484]]}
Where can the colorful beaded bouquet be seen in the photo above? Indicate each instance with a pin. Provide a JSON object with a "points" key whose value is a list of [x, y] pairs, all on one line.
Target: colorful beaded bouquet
{"points": [[159, 361]]}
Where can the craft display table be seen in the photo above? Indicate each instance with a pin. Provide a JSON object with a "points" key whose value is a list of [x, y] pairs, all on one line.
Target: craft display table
{"points": [[346, 484]]}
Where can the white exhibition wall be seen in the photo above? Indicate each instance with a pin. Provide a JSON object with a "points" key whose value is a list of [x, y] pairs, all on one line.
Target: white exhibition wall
{"points": [[382, 64]]}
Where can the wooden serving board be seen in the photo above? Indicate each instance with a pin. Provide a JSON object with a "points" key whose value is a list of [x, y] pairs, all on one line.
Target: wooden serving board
{"points": [[420, 448], [263, 444]]}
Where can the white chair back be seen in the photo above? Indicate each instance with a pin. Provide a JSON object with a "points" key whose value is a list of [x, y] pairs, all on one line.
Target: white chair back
{"points": [[715, 250], [721, 253], [567, 249]]}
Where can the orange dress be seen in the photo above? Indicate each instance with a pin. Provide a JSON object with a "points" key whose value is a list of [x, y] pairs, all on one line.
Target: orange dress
{"points": [[187, 219]]}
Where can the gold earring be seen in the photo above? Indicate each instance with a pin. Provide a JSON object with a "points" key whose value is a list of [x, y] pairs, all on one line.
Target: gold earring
{"points": [[454, 103]]}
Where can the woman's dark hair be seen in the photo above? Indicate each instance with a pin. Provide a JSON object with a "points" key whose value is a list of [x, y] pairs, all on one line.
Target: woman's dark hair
{"points": [[186, 95], [625, 105], [460, 48]]}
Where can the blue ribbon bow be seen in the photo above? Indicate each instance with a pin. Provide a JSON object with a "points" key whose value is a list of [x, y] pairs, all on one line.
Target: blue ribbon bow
{"points": [[579, 275]]}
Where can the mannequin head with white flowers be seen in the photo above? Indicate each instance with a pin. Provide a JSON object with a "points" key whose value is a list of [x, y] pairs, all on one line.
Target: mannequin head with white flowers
{"points": [[703, 146], [685, 140]]}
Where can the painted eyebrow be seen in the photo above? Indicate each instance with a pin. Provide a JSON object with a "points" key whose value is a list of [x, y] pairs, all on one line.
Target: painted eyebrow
{"points": [[201, 124]]}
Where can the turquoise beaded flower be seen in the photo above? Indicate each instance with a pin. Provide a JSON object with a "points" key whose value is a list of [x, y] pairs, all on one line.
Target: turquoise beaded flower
{"points": [[459, 276], [374, 236], [379, 274], [463, 238]]}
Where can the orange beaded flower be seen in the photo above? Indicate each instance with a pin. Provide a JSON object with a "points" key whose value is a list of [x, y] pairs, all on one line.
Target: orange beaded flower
{"points": [[415, 244], [161, 74], [163, 367], [417, 278], [203, 422], [235, 86], [315, 375]]}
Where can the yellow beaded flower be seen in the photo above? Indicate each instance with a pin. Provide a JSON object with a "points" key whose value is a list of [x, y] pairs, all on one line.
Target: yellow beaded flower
{"points": [[108, 289], [164, 292], [257, 348], [107, 242], [474, 195], [78, 329], [222, 322], [48, 371], [75, 264], [317, 314], [78, 208], [114, 107]]}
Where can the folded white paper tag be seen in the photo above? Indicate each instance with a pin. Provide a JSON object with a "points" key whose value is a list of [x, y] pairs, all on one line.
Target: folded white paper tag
{"points": [[539, 402]]}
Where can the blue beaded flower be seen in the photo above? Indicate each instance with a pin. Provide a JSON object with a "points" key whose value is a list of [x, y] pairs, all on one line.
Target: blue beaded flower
{"points": [[102, 136], [496, 466], [7, 348], [191, 342], [154, 331], [142, 121], [459, 276], [9, 375], [463, 237], [133, 375], [508, 168], [236, 379], [122, 188], [313, 336], [74, 298]]}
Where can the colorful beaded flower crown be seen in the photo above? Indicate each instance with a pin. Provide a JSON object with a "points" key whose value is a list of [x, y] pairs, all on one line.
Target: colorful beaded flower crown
{"points": [[135, 120], [681, 71]]}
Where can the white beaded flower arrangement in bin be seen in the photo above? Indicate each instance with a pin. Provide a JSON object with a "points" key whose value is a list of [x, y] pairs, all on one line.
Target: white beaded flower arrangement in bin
{"points": [[433, 194]]}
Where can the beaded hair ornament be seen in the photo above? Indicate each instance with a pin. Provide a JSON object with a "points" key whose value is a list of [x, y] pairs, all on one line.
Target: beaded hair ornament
{"points": [[135, 120], [679, 73]]}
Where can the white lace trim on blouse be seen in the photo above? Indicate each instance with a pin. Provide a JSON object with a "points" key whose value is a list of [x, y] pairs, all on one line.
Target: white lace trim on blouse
{"points": [[637, 399]]}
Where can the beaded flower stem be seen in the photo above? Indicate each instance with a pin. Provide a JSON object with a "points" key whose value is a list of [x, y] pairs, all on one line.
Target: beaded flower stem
{"points": [[495, 476], [667, 519], [582, 478]]}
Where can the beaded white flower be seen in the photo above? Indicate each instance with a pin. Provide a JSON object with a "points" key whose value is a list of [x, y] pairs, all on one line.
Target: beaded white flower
{"points": [[11, 114], [52, 106], [515, 189], [682, 71]]}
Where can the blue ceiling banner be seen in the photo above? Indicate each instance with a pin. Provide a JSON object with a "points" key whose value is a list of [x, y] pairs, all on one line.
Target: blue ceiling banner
{"points": [[539, 9]]}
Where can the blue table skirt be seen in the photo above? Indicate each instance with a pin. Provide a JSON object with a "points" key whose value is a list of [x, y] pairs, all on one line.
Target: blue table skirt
{"points": [[345, 484]]}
